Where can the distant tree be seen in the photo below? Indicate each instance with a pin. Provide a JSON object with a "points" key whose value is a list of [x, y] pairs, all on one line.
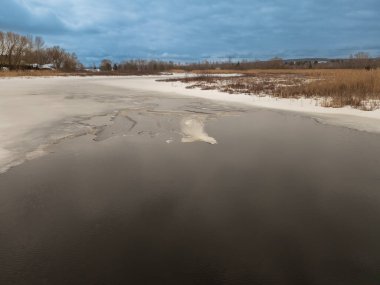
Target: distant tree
{"points": [[275, 62], [56, 56], [106, 65], [19, 51], [15, 48], [115, 67], [10, 44], [22, 45], [3, 48], [38, 45], [362, 55], [362, 60], [70, 62]]}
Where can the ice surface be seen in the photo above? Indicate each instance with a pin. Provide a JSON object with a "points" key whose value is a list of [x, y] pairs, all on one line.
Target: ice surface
{"points": [[37, 112]]}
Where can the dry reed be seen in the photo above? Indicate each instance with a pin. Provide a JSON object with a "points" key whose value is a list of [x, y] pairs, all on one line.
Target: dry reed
{"points": [[338, 88]]}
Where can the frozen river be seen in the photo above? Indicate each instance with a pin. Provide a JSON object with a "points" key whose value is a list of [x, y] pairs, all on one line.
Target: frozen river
{"points": [[131, 186]]}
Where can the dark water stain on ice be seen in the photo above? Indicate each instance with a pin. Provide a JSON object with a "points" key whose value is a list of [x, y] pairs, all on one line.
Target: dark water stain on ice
{"points": [[279, 200]]}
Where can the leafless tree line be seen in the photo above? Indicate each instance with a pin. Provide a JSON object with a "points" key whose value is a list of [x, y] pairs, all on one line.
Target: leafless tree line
{"points": [[27, 52], [137, 66], [360, 60]]}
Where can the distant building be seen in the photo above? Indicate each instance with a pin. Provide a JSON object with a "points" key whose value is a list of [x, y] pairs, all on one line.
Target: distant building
{"points": [[92, 69], [48, 66]]}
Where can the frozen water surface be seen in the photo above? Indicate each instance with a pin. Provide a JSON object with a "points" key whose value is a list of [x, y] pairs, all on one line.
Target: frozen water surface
{"points": [[38, 112], [280, 199]]}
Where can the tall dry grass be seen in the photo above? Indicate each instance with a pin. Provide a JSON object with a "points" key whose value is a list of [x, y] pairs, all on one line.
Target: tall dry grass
{"points": [[336, 87], [27, 73], [356, 88]]}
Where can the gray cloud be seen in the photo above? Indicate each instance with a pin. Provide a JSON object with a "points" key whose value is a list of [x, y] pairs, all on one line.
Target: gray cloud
{"points": [[194, 29], [16, 17]]}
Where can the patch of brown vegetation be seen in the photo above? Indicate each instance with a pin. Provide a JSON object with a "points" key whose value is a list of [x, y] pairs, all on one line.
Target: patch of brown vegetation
{"points": [[337, 88], [27, 73], [356, 88]]}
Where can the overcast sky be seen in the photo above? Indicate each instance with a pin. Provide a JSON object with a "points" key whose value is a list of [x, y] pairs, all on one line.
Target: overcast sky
{"points": [[185, 30]]}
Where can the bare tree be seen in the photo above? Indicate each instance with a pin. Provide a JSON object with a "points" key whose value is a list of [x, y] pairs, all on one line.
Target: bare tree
{"points": [[38, 45], [56, 56], [22, 44], [10, 43], [362, 55], [19, 51], [106, 65], [70, 62], [2, 48]]}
